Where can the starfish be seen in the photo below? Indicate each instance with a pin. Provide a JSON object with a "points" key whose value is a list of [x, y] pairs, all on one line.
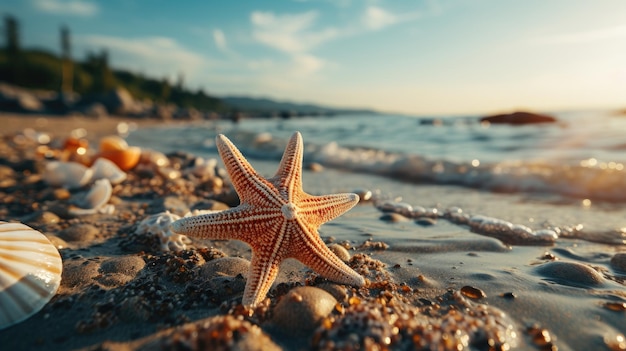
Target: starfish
{"points": [[276, 218]]}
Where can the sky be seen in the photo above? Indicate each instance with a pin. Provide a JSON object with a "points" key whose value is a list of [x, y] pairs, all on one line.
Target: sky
{"points": [[428, 57]]}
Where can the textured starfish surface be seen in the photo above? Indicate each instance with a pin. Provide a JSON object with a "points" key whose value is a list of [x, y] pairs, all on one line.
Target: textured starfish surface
{"points": [[276, 218]]}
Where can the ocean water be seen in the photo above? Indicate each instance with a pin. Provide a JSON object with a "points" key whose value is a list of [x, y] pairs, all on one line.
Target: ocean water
{"points": [[583, 156]]}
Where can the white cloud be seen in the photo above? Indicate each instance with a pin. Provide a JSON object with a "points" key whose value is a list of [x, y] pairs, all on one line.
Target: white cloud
{"points": [[584, 37], [67, 7], [289, 33], [150, 55], [377, 18], [220, 40]]}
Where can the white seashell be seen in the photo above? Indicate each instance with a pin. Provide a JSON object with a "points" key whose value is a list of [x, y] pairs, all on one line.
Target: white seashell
{"points": [[68, 175], [95, 199], [104, 168], [30, 272], [159, 225]]}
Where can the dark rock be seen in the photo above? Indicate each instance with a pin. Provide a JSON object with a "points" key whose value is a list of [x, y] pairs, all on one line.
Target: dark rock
{"points": [[519, 118]]}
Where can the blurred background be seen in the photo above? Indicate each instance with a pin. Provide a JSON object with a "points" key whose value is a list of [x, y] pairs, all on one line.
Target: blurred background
{"points": [[431, 57]]}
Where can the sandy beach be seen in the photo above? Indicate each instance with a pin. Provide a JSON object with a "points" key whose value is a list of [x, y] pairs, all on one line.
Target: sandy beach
{"points": [[435, 282]]}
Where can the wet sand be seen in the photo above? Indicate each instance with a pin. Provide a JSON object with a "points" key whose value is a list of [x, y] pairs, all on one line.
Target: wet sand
{"points": [[433, 284]]}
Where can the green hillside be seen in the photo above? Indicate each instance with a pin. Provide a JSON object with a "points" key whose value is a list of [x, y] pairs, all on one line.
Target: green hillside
{"points": [[38, 69]]}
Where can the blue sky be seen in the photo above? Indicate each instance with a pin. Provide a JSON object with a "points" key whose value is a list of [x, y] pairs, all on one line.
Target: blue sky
{"points": [[416, 57]]}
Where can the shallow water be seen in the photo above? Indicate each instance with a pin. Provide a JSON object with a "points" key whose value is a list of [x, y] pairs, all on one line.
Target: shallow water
{"points": [[390, 159]]}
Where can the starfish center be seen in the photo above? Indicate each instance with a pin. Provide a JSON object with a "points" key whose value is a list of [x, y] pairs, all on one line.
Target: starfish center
{"points": [[290, 211]]}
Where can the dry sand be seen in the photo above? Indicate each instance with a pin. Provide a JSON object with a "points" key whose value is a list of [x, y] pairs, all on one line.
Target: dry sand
{"points": [[445, 289]]}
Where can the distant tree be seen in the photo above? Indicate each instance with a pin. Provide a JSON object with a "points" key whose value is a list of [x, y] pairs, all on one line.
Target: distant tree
{"points": [[98, 66], [11, 32], [166, 90], [67, 66], [15, 71]]}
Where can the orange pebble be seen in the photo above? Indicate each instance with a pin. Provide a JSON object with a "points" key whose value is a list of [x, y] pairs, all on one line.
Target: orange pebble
{"points": [[112, 143], [125, 159]]}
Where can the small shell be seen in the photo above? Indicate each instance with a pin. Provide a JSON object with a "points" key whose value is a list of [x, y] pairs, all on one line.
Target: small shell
{"points": [[94, 200], [30, 272], [159, 225], [69, 175], [104, 168]]}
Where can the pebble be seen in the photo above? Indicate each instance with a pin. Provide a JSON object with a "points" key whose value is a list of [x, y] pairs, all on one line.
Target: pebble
{"points": [[41, 218], [571, 273], [79, 232], [618, 261], [393, 218], [473, 292], [225, 266], [426, 221], [302, 309], [339, 292], [340, 251]]}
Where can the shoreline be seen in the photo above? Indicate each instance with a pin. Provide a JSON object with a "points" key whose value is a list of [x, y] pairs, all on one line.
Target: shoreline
{"points": [[120, 290]]}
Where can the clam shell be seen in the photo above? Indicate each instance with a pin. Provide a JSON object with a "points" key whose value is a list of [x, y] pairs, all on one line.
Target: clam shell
{"points": [[69, 175], [104, 168], [95, 199], [30, 272]]}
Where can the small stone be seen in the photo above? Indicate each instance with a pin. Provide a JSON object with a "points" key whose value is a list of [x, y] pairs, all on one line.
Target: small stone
{"points": [[339, 292], [571, 273], [426, 221], [302, 309], [393, 217], [79, 232], [315, 167], [618, 261], [340, 251], [472, 292], [509, 295], [40, 218], [225, 266]]}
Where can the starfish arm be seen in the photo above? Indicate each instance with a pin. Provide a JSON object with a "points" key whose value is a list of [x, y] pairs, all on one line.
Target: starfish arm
{"points": [[263, 272], [251, 187], [317, 256], [321, 209], [230, 224], [288, 178]]}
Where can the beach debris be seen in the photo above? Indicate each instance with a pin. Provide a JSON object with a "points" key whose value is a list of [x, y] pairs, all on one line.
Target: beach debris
{"points": [[70, 175], [105, 169], [93, 201], [159, 225], [116, 149], [30, 272]]}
